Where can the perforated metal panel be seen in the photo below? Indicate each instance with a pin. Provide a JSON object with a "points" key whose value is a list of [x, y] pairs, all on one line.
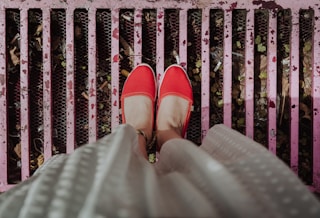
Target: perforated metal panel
{"points": [[253, 66]]}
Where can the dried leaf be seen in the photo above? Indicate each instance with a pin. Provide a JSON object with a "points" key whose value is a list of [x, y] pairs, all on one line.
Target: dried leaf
{"points": [[263, 63], [197, 78], [257, 40], [39, 43], [195, 71], [15, 39], [219, 22], [198, 63], [125, 72], [261, 48], [109, 78], [241, 121], [128, 51], [152, 158], [307, 46], [286, 48], [39, 30], [14, 58], [85, 95], [63, 64], [40, 160], [238, 43], [263, 94], [263, 75], [240, 101], [17, 149]]}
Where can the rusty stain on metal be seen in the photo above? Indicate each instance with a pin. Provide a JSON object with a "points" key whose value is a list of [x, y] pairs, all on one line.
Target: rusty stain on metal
{"points": [[2, 80], [114, 91], [139, 37], [274, 59], [206, 41], [92, 89], [70, 97], [232, 6], [115, 33], [251, 38], [3, 92], [160, 15], [115, 58], [294, 68], [272, 104], [47, 84], [70, 85], [267, 4], [159, 26], [69, 46]]}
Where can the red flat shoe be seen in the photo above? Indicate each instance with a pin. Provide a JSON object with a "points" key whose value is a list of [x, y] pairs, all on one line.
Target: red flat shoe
{"points": [[176, 82], [141, 81]]}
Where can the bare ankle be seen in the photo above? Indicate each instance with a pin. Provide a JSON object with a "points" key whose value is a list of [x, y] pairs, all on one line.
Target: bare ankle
{"points": [[165, 135]]}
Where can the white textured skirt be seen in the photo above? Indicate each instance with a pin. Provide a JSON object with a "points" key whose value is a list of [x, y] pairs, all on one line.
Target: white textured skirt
{"points": [[229, 175]]}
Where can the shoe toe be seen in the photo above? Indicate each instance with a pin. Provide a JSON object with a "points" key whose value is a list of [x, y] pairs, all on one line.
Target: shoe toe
{"points": [[140, 81], [176, 82]]}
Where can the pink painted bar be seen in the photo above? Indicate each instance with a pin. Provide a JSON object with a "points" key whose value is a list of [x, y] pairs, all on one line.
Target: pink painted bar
{"points": [[47, 90], [70, 80], [3, 102], [92, 78], [115, 68], [272, 83], [137, 36], [249, 74], [205, 72], [316, 102], [24, 96], [183, 41], [227, 69], [160, 44], [294, 92]]}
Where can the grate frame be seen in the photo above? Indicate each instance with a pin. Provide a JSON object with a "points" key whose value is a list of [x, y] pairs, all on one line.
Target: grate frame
{"points": [[157, 58]]}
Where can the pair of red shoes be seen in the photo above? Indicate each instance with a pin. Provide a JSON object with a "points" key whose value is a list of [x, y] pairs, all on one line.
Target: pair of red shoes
{"points": [[142, 81]]}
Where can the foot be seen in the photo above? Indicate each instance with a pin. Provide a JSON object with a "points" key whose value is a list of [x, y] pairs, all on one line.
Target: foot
{"points": [[138, 111], [137, 103], [174, 104], [172, 114]]}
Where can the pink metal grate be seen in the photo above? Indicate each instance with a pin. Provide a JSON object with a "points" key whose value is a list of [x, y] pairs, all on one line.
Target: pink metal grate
{"points": [[254, 66]]}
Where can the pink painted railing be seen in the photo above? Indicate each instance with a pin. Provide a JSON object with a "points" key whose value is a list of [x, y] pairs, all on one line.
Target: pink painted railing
{"points": [[160, 7]]}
